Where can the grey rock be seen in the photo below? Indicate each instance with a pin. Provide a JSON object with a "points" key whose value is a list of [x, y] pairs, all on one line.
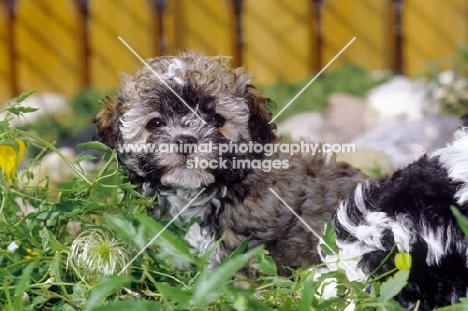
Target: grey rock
{"points": [[404, 142], [398, 99], [306, 126], [344, 118], [342, 121]]}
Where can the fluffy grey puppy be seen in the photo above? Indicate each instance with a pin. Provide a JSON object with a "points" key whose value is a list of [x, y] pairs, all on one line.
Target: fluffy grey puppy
{"points": [[237, 202]]}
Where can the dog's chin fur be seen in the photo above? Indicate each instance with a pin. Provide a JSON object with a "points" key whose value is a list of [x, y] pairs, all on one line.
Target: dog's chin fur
{"points": [[187, 178], [411, 211], [237, 203]]}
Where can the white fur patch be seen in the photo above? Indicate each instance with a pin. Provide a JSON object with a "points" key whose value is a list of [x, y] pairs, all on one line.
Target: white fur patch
{"points": [[347, 259], [201, 239], [369, 231], [435, 244], [402, 233], [371, 227], [189, 178], [198, 238], [171, 74], [178, 198], [133, 123], [454, 158]]}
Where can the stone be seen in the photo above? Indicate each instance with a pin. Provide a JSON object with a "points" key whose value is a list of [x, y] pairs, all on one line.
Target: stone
{"points": [[404, 142], [306, 127], [342, 121], [344, 117], [398, 99]]}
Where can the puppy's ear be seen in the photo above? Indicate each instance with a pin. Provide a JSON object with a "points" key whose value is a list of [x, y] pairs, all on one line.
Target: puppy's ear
{"points": [[260, 130], [107, 122]]}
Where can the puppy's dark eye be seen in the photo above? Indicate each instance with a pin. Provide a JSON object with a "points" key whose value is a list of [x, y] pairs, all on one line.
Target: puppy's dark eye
{"points": [[217, 120], [154, 124]]}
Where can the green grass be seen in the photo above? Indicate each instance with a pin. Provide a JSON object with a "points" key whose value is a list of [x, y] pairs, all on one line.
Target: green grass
{"points": [[348, 78], [62, 125]]}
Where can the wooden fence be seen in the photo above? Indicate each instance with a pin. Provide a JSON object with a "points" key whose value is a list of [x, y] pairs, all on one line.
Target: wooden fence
{"points": [[65, 45]]}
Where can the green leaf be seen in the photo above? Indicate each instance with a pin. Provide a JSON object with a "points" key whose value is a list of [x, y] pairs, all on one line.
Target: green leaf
{"points": [[126, 231], [84, 157], [329, 237], [333, 303], [120, 193], [23, 96], [70, 208], [20, 110], [462, 220], [258, 305], [108, 285], [44, 234], [175, 295], [54, 268], [49, 242], [130, 305], [9, 142], [265, 264], [23, 285], [207, 285], [394, 285], [241, 249], [95, 145], [390, 305], [171, 244], [287, 305], [308, 291]]}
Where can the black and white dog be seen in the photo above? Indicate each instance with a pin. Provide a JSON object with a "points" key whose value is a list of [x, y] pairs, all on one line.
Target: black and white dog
{"points": [[412, 210]]}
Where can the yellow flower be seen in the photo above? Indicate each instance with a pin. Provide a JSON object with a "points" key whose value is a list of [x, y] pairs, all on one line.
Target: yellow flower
{"points": [[10, 158]]}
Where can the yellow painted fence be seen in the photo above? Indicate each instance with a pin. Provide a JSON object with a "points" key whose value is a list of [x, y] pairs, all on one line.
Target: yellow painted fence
{"points": [[63, 46]]}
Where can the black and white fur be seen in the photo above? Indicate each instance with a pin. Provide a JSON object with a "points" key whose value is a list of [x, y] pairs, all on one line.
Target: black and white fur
{"points": [[411, 210]]}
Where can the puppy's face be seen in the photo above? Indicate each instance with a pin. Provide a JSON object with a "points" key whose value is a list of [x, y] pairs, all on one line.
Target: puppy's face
{"points": [[151, 115]]}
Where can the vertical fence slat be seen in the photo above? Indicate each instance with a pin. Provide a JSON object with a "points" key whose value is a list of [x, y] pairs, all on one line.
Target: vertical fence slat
{"points": [[316, 34], [7, 65], [204, 25], [109, 19], [48, 56], [277, 35], [431, 30], [365, 20], [83, 36]]}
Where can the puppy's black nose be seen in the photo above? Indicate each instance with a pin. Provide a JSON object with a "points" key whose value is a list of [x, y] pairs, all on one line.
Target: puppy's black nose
{"points": [[186, 144]]}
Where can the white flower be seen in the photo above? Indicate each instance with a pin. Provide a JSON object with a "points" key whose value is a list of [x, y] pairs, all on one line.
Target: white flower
{"points": [[94, 254], [13, 246]]}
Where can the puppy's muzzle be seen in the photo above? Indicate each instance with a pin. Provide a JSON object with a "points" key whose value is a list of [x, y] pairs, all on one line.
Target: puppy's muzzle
{"points": [[185, 143]]}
